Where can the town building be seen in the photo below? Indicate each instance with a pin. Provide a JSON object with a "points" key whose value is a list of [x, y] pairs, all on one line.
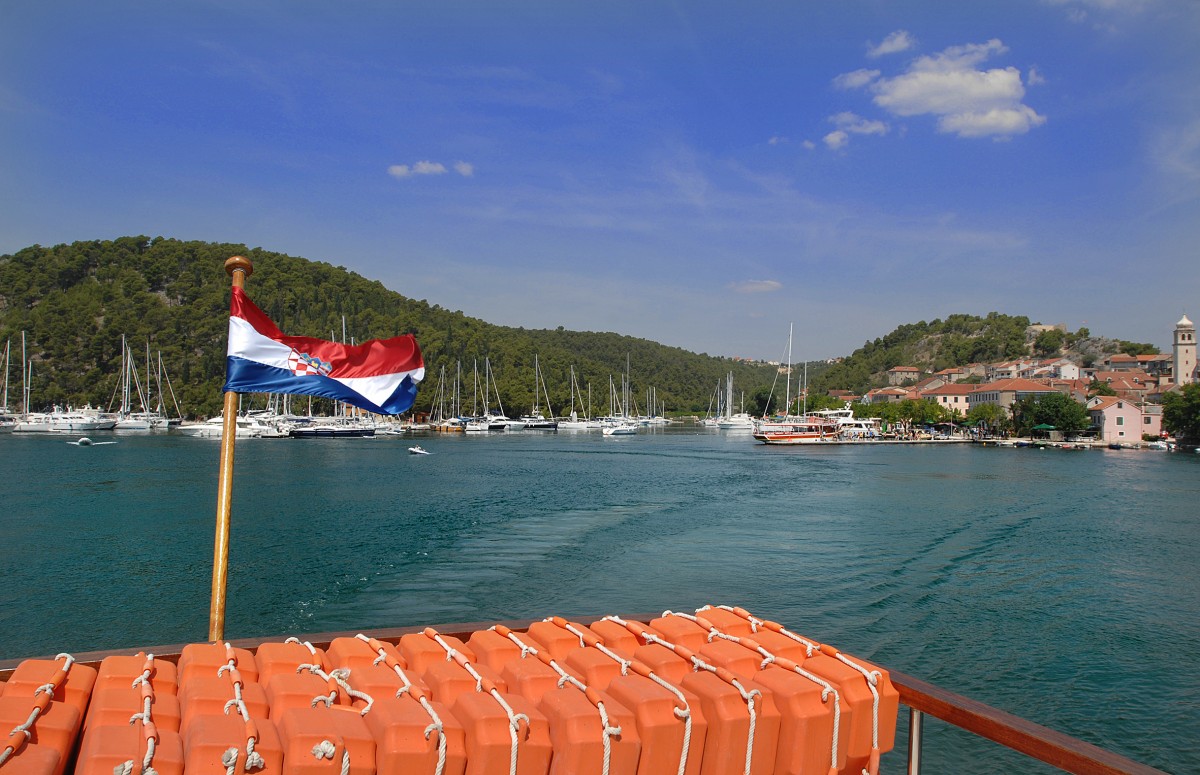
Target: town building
{"points": [[1185, 352], [952, 397], [898, 375], [1006, 392], [1118, 421]]}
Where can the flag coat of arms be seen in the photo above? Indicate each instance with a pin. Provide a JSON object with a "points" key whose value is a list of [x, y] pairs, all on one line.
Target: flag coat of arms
{"points": [[379, 375]]}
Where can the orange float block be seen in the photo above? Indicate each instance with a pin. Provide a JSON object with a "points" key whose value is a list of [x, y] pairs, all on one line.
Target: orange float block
{"points": [[662, 661], [32, 759], [53, 732], [205, 659], [447, 680], [680, 631], [209, 738], [806, 723], [660, 729], [530, 677], [298, 690], [593, 667], [380, 681], [399, 726], [356, 652], [858, 698], [780, 645], [301, 730], [420, 650], [736, 658], [120, 671], [728, 622], [729, 726], [105, 748], [615, 636], [488, 740], [273, 658], [200, 697], [554, 640], [578, 734], [73, 687], [493, 649], [115, 706]]}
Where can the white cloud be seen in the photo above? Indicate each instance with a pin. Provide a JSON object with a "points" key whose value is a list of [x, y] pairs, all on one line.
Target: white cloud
{"points": [[808, 145], [856, 79], [997, 122], [756, 286], [858, 125], [1034, 77], [967, 101], [777, 140], [898, 41], [836, 139], [1177, 151], [430, 168]]}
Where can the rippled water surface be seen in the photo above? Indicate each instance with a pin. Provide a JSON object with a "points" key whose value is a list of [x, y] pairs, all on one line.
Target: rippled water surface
{"points": [[1060, 586]]}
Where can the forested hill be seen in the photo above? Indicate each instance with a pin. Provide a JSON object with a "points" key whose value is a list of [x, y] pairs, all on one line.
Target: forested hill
{"points": [[74, 302]]}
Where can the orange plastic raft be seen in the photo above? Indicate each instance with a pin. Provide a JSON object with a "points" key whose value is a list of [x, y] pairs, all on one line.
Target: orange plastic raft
{"points": [[717, 691]]}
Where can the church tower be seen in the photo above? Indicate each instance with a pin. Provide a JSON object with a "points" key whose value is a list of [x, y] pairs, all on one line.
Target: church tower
{"points": [[1185, 351]]}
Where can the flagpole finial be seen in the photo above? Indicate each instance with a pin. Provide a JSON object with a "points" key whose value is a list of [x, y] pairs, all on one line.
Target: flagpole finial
{"points": [[234, 263]]}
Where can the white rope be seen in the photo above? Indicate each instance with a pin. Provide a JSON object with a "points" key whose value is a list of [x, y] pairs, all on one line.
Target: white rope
{"points": [[514, 724], [684, 713], [439, 727], [607, 735], [327, 750], [747, 697], [340, 678], [872, 678], [624, 663], [573, 630], [526, 649], [405, 683]]}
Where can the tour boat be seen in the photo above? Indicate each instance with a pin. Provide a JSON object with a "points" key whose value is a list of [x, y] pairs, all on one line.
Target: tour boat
{"points": [[804, 429]]}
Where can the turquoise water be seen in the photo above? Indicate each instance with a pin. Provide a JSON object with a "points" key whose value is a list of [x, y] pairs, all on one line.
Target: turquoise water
{"points": [[1060, 586]]}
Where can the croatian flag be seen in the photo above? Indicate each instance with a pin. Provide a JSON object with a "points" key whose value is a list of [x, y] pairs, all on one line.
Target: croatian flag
{"points": [[379, 375]]}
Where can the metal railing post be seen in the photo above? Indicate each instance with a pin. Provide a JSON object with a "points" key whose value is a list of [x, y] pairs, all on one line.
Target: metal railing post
{"points": [[916, 720]]}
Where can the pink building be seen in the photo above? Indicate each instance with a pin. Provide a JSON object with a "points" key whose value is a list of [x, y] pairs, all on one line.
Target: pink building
{"points": [[1118, 420]]}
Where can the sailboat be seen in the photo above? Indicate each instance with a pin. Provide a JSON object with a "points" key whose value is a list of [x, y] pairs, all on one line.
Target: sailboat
{"points": [[740, 421], [535, 420], [29, 422], [804, 428], [129, 385], [8, 421], [572, 421]]}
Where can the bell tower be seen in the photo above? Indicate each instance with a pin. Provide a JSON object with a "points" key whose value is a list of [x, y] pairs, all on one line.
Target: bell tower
{"points": [[1185, 351]]}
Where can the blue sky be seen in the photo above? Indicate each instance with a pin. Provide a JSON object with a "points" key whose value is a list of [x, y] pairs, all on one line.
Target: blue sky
{"points": [[697, 173]]}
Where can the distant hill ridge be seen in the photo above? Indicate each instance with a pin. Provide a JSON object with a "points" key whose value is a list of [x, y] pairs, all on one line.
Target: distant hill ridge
{"points": [[960, 340], [75, 301]]}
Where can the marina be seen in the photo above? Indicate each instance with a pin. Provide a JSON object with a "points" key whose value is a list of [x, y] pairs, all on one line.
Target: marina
{"points": [[1045, 585]]}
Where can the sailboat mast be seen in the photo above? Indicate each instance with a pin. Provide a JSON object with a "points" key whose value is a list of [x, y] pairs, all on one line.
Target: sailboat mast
{"points": [[787, 396]]}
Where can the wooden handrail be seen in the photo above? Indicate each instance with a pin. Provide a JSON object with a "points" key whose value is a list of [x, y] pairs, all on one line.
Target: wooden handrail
{"points": [[1033, 740], [1036, 741]]}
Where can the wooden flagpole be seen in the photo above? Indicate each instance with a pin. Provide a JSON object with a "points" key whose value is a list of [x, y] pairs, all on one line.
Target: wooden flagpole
{"points": [[239, 268]]}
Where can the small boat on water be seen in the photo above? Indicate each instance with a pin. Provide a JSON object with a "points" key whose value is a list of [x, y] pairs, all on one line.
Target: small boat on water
{"points": [[418, 450]]}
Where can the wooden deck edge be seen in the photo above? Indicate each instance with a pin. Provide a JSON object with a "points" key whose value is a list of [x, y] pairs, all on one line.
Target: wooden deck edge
{"points": [[1036, 741]]}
